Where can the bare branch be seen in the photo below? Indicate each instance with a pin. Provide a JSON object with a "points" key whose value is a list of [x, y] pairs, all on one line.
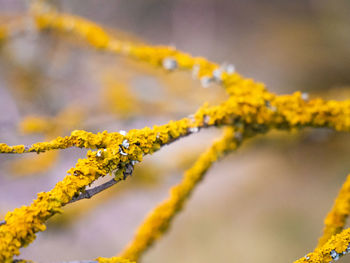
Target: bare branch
{"points": [[27, 149], [91, 192], [75, 261]]}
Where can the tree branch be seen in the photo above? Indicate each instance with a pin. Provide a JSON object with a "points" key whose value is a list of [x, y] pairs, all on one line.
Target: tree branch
{"points": [[81, 261], [75, 261], [93, 191], [87, 195]]}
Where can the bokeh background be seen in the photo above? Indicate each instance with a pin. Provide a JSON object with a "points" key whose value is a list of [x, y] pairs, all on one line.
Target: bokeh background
{"points": [[264, 203]]}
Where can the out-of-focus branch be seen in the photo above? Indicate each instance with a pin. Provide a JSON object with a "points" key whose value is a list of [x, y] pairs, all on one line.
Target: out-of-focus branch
{"points": [[336, 219]]}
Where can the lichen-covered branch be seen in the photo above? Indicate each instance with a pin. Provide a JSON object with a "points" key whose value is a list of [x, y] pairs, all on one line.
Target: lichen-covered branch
{"points": [[159, 220], [114, 260], [22, 224], [78, 138], [336, 218], [335, 242], [103, 260], [248, 106], [97, 260], [250, 109], [336, 247]]}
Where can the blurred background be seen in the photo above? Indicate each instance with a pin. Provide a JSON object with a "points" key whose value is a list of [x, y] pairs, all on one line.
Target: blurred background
{"points": [[264, 203]]}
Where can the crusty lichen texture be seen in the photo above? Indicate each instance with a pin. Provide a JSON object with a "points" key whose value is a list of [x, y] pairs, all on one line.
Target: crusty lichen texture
{"points": [[336, 218], [249, 109], [158, 221], [114, 260]]}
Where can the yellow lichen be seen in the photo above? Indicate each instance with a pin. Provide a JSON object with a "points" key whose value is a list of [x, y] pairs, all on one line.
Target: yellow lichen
{"points": [[114, 260], [333, 249], [251, 108], [158, 221], [22, 224], [336, 218], [3, 33]]}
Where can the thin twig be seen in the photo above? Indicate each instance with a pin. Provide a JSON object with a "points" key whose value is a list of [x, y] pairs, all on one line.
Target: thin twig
{"points": [[75, 261], [88, 193], [81, 261], [27, 149], [91, 192]]}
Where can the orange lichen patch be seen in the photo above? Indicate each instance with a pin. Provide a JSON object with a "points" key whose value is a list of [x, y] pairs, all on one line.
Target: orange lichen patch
{"points": [[332, 250], [158, 221], [336, 218], [4, 148], [3, 33], [22, 224]]}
